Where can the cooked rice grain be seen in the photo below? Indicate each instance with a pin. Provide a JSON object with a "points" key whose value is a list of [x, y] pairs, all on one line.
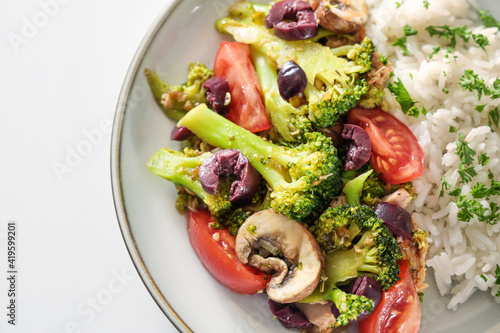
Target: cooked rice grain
{"points": [[460, 253]]}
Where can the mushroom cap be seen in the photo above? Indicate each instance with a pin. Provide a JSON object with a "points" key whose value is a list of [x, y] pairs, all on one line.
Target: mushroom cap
{"points": [[297, 261], [341, 16]]}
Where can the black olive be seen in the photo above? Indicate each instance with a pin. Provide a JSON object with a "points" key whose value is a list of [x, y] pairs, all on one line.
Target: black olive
{"points": [[291, 80], [230, 162], [217, 90], [180, 133], [396, 218], [292, 20], [360, 147], [289, 316], [368, 287]]}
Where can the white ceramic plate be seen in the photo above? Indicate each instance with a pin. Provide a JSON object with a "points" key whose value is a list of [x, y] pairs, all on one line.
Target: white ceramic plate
{"points": [[155, 233]]}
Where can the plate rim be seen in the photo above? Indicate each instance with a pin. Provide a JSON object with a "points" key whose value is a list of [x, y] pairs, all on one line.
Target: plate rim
{"points": [[115, 157]]}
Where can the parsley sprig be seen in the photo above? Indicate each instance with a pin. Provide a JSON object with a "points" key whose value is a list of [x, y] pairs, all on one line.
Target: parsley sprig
{"points": [[470, 204], [472, 82], [488, 20], [401, 41], [494, 118], [453, 34], [497, 279], [408, 105]]}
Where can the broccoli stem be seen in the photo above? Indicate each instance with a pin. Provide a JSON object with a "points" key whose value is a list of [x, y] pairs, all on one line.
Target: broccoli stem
{"points": [[245, 9], [220, 132], [353, 188], [158, 87], [178, 169], [279, 109]]}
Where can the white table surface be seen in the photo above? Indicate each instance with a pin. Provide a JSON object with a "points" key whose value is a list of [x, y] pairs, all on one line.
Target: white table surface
{"points": [[62, 66]]}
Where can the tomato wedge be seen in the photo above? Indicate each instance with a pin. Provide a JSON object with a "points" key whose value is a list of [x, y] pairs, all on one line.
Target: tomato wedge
{"points": [[399, 309], [396, 153], [215, 248], [233, 61]]}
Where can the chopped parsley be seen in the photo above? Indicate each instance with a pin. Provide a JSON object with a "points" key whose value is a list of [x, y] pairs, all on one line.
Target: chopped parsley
{"points": [[383, 60], [488, 20], [480, 108], [483, 159], [471, 204], [481, 40], [466, 154], [453, 129], [472, 82], [470, 208], [435, 50], [493, 115], [404, 99], [497, 279], [484, 277], [452, 35], [463, 151], [445, 186], [401, 42], [493, 90], [426, 4], [494, 118]]}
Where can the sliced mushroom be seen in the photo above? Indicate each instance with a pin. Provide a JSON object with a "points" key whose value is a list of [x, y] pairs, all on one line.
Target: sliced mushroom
{"points": [[275, 244], [416, 250], [401, 198], [320, 314], [341, 16], [380, 72]]}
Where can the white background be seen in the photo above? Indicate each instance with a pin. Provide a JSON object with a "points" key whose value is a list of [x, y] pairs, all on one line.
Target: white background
{"points": [[61, 70]]}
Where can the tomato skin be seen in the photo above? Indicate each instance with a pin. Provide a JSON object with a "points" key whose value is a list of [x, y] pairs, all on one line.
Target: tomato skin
{"points": [[399, 309], [215, 248], [233, 61], [396, 153]]}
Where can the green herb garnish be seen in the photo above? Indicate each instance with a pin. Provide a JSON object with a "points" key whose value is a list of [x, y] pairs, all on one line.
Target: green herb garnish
{"points": [[452, 34], [404, 99], [401, 42], [488, 20]]}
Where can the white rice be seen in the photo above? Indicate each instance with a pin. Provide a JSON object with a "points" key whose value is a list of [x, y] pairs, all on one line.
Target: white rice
{"points": [[463, 256]]}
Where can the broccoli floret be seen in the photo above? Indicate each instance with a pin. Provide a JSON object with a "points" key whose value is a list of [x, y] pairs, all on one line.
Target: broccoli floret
{"points": [[350, 306], [335, 82], [182, 169], [373, 189], [329, 100], [304, 178], [373, 98], [289, 122], [356, 243], [249, 10], [176, 100]]}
